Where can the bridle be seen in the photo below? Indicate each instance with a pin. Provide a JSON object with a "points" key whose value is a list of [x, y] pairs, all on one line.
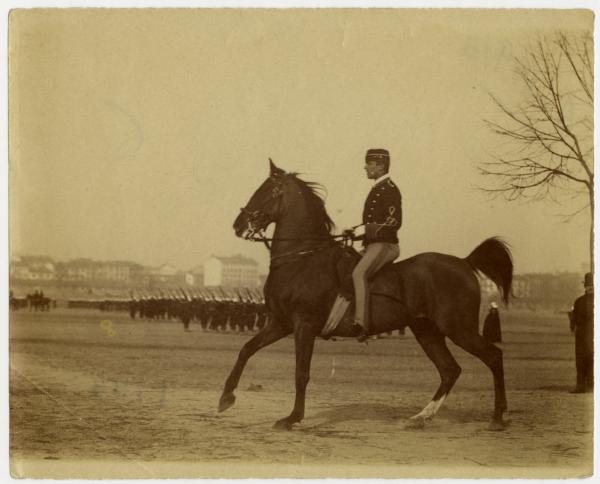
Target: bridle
{"points": [[257, 234]]}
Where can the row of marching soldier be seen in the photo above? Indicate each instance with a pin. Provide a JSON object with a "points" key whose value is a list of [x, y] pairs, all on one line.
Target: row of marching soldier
{"points": [[217, 313]]}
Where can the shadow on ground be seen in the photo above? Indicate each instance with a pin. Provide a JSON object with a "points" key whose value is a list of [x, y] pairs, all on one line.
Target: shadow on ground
{"points": [[361, 412]]}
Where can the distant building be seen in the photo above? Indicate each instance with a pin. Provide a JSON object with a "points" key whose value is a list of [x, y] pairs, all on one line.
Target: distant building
{"points": [[32, 268], [488, 287], [195, 276], [90, 270], [537, 290], [549, 290], [522, 287], [76, 270], [113, 271], [234, 271], [19, 271], [162, 274]]}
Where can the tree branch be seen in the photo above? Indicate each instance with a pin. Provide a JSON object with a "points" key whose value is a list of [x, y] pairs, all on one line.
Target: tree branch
{"points": [[547, 148]]}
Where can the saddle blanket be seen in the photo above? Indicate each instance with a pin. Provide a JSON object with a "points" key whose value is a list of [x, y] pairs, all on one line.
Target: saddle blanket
{"points": [[339, 309]]}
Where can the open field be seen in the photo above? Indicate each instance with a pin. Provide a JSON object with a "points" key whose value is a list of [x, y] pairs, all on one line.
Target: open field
{"points": [[98, 395]]}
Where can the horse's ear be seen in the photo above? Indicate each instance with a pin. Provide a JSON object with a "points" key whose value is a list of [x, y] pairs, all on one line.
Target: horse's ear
{"points": [[274, 170]]}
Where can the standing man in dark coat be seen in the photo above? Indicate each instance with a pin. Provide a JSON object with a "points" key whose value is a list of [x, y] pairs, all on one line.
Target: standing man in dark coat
{"points": [[491, 325], [582, 324]]}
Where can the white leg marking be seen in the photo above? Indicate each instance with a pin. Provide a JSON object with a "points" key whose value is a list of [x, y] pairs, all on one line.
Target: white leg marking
{"points": [[430, 409]]}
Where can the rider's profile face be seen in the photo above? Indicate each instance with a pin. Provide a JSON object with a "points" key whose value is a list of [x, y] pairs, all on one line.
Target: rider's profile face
{"points": [[374, 170]]}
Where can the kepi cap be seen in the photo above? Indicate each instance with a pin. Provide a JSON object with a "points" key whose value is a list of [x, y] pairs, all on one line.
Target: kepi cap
{"points": [[378, 154]]}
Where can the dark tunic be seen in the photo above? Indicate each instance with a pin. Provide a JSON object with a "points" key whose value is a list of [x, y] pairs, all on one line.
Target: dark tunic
{"points": [[491, 327], [382, 213], [583, 325]]}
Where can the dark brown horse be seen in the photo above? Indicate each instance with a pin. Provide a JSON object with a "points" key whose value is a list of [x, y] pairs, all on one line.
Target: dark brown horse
{"points": [[436, 295]]}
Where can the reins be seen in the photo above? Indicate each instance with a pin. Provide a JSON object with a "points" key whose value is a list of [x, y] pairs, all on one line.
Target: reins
{"points": [[259, 237], [296, 254]]}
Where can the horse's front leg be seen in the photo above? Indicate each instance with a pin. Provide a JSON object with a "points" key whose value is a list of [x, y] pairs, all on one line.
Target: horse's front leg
{"points": [[304, 337], [265, 337]]}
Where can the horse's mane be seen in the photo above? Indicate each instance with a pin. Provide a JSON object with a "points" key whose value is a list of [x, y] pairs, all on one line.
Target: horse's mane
{"points": [[313, 193]]}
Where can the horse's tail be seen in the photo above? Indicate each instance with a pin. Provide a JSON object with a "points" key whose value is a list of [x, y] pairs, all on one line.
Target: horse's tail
{"points": [[493, 258]]}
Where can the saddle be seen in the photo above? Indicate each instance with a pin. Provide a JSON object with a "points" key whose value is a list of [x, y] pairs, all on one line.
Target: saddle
{"points": [[386, 282]]}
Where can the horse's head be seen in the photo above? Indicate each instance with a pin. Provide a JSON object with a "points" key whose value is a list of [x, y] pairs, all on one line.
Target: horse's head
{"points": [[264, 206]]}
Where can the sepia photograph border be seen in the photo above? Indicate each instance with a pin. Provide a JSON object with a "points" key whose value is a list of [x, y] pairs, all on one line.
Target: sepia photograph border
{"points": [[95, 470]]}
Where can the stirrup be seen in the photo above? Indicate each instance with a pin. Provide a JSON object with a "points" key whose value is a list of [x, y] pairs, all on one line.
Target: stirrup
{"points": [[362, 334], [363, 338]]}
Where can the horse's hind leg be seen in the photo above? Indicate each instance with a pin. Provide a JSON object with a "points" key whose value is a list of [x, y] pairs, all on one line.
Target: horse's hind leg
{"points": [[491, 355], [268, 335], [434, 344]]}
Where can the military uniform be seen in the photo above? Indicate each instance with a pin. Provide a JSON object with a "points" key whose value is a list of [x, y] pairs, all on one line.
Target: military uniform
{"points": [[382, 218], [491, 326], [583, 326], [382, 213]]}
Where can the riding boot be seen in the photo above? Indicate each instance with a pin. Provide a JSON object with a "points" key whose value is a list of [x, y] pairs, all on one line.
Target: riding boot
{"points": [[363, 336], [362, 320], [360, 330]]}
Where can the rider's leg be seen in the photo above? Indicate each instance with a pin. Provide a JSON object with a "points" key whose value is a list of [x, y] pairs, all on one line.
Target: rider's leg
{"points": [[377, 254]]}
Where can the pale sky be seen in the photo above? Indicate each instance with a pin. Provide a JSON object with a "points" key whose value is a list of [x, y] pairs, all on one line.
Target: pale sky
{"points": [[139, 134]]}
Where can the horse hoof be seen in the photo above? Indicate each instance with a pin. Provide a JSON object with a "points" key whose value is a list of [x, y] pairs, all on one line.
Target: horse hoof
{"points": [[415, 424], [283, 424], [227, 400], [497, 425]]}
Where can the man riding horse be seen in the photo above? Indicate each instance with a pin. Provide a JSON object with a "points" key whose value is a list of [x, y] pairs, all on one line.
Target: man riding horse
{"points": [[382, 218], [436, 295]]}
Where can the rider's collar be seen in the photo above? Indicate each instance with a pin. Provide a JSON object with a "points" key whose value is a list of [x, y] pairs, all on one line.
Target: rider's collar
{"points": [[381, 178]]}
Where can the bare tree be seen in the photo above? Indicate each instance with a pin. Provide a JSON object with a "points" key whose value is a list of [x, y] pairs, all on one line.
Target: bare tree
{"points": [[549, 150]]}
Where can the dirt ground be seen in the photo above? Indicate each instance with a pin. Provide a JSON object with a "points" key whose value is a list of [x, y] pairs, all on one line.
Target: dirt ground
{"points": [[98, 395]]}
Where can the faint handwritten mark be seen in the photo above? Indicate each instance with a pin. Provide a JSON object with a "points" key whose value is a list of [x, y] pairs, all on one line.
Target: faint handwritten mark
{"points": [[135, 136], [79, 419], [476, 462], [107, 326], [96, 389]]}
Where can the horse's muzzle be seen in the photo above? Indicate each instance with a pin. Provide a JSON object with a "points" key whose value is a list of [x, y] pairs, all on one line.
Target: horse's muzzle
{"points": [[241, 224]]}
